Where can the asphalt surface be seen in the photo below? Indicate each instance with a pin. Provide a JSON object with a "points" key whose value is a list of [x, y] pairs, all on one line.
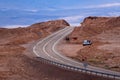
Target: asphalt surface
{"points": [[47, 50]]}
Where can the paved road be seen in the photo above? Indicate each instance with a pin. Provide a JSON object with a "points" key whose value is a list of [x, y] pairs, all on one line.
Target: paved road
{"points": [[46, 49]]}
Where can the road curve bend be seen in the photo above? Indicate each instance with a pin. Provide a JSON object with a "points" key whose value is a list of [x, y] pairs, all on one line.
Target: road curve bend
{"points": [[46, 49]]}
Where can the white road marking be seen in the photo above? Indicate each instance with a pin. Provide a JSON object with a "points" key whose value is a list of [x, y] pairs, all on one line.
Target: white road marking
{"points": [[48, 53], [35, 51], [48, 43], [37, 54], [53, 48]]}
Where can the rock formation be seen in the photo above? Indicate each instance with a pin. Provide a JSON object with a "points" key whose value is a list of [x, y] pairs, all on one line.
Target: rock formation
{"points": [[92, 26]]}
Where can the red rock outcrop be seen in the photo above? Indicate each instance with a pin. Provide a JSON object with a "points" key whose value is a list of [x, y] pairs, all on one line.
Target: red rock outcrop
{"points": [[92, 26]]}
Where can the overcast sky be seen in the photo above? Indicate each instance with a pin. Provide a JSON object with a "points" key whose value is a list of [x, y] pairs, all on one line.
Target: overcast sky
{"points": [[27, 12]]}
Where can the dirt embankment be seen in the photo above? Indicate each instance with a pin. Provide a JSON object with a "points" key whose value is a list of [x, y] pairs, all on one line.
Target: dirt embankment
{"points": [[104, 32]]}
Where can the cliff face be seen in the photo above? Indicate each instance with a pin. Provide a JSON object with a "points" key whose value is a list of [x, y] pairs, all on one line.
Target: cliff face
{"points": [[31, 33], [92, 26]]}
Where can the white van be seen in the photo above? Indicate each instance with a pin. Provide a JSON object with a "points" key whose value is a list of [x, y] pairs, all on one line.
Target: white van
{"points": [[87, 42]]}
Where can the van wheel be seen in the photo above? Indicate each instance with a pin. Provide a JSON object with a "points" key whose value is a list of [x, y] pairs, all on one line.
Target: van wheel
{"points": [[83, 44]]}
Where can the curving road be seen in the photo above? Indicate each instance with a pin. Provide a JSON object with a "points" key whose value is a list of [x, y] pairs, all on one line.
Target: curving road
{"points": [[47, 50]]}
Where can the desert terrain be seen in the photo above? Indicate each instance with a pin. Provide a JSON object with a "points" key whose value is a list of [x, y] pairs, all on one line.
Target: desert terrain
{"points": [[18, 62], [104, 33]]}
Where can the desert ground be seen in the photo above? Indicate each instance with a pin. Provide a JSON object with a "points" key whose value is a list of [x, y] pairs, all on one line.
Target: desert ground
{"points": [[18, 62], [104, 32]]}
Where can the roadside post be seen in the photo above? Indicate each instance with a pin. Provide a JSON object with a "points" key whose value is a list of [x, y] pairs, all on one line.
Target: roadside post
{"points": [[85, 64], [84, 61]]}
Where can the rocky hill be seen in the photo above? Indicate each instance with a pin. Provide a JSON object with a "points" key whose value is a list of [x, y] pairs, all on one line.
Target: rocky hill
{"points": [[30, 33], [104, 32], [92, 26]]}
